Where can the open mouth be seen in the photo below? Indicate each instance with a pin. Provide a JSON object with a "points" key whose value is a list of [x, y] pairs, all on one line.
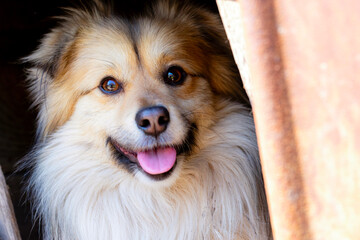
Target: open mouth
{"points": [[159, 162], [156, 161]]}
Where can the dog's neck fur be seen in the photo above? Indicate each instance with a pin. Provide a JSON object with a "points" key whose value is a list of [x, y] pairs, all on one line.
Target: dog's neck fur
{"points": [[212, 199]]}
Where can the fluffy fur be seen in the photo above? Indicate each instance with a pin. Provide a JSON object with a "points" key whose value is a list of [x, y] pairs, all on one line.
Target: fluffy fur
{"points": [[77, 185]]}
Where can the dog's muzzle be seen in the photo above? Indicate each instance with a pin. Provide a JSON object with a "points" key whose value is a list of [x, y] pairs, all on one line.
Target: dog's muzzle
{"points": [[156, 162]]}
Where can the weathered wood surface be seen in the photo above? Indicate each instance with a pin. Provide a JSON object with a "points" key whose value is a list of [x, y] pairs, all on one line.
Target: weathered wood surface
{"points": [[9, 229], [304, 81], [229, 11]]}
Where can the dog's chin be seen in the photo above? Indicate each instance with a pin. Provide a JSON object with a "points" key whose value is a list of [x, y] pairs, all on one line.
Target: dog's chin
{"points": [[157, 163]]}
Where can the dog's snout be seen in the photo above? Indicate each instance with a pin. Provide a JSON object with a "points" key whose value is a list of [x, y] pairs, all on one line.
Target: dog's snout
{"points": [[153, 120]]}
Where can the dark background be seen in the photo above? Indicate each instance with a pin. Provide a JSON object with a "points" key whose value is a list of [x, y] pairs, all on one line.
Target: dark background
{"points": [[22, 24]]}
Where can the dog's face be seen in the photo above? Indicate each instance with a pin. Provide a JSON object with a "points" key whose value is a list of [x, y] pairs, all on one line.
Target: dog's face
{"points": [[142, 89], [144, 95]]}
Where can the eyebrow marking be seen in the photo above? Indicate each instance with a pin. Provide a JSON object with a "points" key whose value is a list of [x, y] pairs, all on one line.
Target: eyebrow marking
{"points": [[134, 30], [83, 93], [136, 50], [108, 63], [196, 75]]}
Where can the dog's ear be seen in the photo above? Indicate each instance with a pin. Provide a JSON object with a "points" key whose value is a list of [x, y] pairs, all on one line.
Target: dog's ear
{"points": [[50, 58], [224, 75]]}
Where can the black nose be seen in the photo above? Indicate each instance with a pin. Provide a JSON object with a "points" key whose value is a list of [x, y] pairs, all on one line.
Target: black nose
{"points": [[153, 120]]}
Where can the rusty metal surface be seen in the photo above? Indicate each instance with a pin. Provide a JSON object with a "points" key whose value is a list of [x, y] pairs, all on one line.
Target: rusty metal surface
{"points": [[304, 62]]}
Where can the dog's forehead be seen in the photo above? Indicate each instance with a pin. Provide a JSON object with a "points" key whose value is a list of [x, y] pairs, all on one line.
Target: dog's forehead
{"points": [[127, 51], [107, 48], [163, 43], [123, 51]]}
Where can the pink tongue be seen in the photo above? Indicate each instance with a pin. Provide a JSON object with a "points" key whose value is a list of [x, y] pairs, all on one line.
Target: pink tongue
{"points": [[157, 161]]}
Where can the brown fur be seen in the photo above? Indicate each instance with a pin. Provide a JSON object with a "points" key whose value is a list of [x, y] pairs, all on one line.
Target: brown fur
{"points": [[190, 40], [77, 119]]}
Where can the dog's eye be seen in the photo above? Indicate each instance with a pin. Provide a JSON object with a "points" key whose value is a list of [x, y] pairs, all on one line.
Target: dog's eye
{"points": [[109, 85], [174, 76]]}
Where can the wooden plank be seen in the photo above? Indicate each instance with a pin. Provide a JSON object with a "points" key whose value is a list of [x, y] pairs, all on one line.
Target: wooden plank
{"points": [[229, 12], [9, 229], [304, 62]]}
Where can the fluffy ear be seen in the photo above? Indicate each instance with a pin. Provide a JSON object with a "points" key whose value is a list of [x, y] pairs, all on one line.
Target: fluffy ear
{"points": [[50, 57], [224, 75]]}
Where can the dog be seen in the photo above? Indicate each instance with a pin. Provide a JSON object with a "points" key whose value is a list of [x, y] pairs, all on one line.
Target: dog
{"points": [[144, 130]]}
